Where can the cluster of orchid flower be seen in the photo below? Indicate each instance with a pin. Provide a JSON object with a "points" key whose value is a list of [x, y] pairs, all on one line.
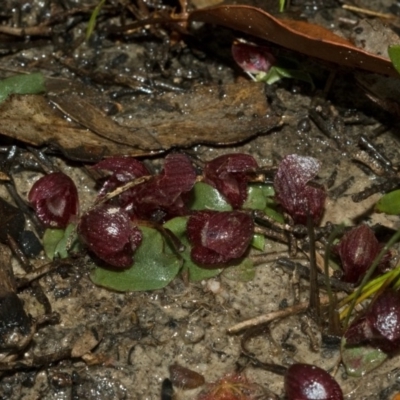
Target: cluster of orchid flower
{"points": [[111, 229], [131, 198]]}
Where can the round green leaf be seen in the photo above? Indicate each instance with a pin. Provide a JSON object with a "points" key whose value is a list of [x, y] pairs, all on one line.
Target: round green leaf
{"points": [[155, 266], [242, 272], [258, 241], [256, 198], [59, 242], [51, 239], [389, 203], [22, 84], [359, 360], [205, 197]]}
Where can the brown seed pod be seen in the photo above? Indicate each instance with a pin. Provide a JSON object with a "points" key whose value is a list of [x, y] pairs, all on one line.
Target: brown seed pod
{"points": [[185, 378]]}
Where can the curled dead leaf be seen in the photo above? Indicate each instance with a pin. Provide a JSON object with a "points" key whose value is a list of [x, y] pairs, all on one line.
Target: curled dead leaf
{"points": [[300, 36]]}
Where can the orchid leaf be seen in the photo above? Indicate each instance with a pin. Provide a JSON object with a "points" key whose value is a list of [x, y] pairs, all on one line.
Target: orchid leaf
{"points": [[155, 266], [389, 203], [205, 197], [276, 73], [394, 55], [22, 84], [257, 197], [361, 359], [258, 241], [59, 242], [242, 272]]}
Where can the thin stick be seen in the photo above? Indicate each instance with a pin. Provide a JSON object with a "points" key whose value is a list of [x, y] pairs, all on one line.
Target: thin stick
{"points": [[265, 318], [368, 12]]}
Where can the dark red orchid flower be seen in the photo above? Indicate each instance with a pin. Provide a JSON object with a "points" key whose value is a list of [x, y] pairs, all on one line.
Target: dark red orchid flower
{"points": [[380, 326], [121, 169], [357, 250], [161, 198], [219, 237], [309, 382], [109, 233], [293, 191], [252, 58], [229, 174], [54, 198]]}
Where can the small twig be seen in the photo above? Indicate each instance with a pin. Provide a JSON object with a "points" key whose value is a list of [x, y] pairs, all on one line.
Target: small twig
{"points": [[122, 189], [39, 30], [26, 279], [368, 12], [265, 318]]}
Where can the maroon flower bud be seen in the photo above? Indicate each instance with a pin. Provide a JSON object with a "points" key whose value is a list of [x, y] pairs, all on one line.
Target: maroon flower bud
{"points": [[161, 197], [219, 237], [253, 59], [357, 251], [122, 169], [229, 174], [308, 382], [54, 198], [108, 232], [293, 192], [380, 326], [185, 378]]}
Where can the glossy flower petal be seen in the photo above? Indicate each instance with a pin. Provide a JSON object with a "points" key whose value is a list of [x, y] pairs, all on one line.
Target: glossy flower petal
{"points": [[54, 198], [121, 169], [380, 326], [108, 232], [229, 174], [219, 237], [309, 382], [294, 193], [161, 198], [357, 251], [252, 58]]}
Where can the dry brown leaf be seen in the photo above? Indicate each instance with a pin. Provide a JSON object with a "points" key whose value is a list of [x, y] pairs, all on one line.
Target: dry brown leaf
{"points": [[220, 114], [304, 37]]}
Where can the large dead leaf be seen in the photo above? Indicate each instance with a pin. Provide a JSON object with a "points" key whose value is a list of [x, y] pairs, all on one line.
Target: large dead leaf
{"points": [[220, 114], [304, 37]]}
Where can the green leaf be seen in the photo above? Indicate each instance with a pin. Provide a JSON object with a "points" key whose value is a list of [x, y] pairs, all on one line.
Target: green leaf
{"points": [[59, 242], [257, 196], [196, 273], [394, 55], [271, 212], [389, 203], [205, 197], [22, 84], [282, 5], [258, 241], [359, 360], [155, 266], [93, 18], [276, 73], [51, 239], [242, 272]]}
